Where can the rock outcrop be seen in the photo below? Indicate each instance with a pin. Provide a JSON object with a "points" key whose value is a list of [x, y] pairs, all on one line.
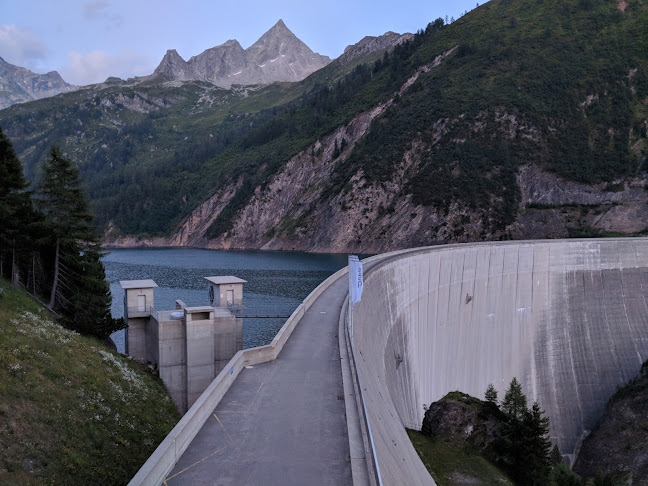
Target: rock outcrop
{"points": [[462, 421], [277, 56], [618, 446]]}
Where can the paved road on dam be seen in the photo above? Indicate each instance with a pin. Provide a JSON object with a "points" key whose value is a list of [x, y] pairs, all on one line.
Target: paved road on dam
{"points": [[281, 422]]}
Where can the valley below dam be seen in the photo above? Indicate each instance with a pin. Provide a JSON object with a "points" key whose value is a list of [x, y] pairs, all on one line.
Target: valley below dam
{"points": [[277, 281]]}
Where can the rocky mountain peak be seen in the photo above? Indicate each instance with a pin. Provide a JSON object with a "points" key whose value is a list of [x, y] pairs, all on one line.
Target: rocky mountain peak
{"points": [[172, 65], [18, 85], [278, 55]]}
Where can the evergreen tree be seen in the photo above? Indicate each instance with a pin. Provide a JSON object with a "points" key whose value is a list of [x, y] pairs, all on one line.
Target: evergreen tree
{"points": [[491, 394], [91, 298], [514, 404], [79, 289], [536, 446], [514, 407], [15, 208], [62, 201]]}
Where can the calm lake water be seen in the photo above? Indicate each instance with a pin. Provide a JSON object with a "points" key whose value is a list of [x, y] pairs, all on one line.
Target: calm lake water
{"points": [[277, 281]]}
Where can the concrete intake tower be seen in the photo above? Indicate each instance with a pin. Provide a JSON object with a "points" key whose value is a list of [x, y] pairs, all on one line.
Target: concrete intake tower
{"points": [[189, 345]]}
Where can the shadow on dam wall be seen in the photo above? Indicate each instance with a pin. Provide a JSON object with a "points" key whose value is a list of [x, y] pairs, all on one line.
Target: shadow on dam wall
{"points": [[568, 318]]}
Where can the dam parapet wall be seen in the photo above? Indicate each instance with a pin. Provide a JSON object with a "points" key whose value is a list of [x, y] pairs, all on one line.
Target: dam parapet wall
{"points": [[568, 318]]}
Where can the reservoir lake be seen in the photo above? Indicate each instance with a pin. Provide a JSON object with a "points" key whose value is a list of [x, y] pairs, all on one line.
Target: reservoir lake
{"points": [[277, 281]]}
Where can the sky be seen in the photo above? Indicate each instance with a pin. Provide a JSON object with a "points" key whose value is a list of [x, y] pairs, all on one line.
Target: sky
{"points": [[87, 41]]}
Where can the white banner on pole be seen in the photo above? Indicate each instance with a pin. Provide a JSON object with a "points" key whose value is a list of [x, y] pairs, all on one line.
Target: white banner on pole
{"points": [[356, 281]]}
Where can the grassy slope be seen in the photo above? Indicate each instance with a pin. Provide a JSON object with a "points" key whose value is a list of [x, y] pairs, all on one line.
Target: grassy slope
{"points": [[71, 412], [450, 465]]}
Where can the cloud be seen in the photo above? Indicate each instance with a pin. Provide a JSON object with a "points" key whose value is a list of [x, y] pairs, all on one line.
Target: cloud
{"points": [[100, 10], [96, 66], [21, 47]]}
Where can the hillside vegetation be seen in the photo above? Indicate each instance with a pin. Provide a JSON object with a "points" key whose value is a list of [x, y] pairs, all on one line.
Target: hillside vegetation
{"points": [[462, 108], [71, 411]]}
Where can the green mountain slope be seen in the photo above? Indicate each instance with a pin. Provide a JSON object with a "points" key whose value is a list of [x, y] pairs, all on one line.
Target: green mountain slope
{"points": [[559, 84], [71, 411], [151, 151], [465, 133]]}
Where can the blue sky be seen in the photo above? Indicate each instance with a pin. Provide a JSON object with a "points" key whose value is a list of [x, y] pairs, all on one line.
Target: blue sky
{"points": [[87, 41]]}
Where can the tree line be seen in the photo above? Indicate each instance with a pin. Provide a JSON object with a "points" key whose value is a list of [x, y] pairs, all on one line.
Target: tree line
{"points": [[524, 449], [49, 245]]}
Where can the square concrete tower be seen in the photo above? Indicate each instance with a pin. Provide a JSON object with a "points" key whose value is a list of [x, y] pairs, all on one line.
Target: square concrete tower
{"points": [[138, 303], [226, 291]]}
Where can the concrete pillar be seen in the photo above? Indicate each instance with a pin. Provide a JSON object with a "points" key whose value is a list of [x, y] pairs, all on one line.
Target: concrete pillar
{"points": [[228, 338], [199, 328], [172, 355]]}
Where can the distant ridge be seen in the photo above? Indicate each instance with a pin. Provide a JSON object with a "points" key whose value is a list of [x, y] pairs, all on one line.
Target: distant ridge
{"points": [[370, 44], [277, 56], [18, 84]]}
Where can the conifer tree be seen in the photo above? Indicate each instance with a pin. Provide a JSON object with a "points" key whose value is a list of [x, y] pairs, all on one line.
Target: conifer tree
{"points": [[526, 446], [514, 404], [62, 201], [514, 407], [536, 448], [79, 289], [491, 394], [15, 208]]}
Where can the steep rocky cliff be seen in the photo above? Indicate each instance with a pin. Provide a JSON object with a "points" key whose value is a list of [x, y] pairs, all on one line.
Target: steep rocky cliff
{"points": [[618, 446]]}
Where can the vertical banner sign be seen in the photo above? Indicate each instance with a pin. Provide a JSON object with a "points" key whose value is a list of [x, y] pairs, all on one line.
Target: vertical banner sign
{"points": [[355, 279]]}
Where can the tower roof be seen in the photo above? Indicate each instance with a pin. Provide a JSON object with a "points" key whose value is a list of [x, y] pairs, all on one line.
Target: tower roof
{"points": [[225, 280], [137, 284]]}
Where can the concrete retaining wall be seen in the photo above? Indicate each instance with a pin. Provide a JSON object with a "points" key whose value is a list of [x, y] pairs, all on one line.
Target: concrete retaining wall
{"points": [[568, 318], [157, 467]]}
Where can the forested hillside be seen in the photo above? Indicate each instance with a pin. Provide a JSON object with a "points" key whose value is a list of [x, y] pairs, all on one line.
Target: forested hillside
{"points": [[521, 119]]}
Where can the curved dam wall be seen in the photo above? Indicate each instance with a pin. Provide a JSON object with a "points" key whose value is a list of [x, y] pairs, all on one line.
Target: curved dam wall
{"points": [[568, 318]]}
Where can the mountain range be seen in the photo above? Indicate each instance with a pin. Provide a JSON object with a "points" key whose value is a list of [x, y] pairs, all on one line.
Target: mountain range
{"points": [[277, 56], [518, 120]]}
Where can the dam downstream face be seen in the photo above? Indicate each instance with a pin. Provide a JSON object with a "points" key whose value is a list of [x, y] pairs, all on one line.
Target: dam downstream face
{"points": [[569, 319]]}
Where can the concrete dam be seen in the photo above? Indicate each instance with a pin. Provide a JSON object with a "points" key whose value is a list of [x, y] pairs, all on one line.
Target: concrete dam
{"points": [[568, 318]]}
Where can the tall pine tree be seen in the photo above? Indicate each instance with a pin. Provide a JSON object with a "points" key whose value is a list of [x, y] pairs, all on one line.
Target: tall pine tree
{"points": [[514, 404], [525, 443], [15, 209], [536, 447], [79, 289]]}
